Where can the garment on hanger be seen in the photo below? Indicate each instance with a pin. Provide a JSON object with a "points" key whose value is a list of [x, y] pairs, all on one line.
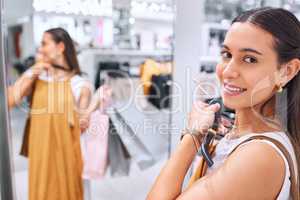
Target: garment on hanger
{"points": [[112, 69], [150, 68], [53, 139], [159, 93]]}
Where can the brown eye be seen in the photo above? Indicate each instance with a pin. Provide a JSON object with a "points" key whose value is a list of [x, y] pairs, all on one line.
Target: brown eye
{"points": [[250, 60], [225, 55]]}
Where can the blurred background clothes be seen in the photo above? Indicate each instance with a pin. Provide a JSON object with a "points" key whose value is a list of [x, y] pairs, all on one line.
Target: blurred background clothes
{"points": [[150, 68]]}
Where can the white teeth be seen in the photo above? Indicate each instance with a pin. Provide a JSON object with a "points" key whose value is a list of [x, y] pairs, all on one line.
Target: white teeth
{"points": [[233, 89]]}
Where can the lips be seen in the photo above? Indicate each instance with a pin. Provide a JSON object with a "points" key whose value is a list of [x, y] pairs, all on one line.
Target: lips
{"points": [[233, 90]]}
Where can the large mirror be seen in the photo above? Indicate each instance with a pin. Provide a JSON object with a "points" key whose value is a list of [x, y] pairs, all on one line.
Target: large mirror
{"points": [[90, 83]]}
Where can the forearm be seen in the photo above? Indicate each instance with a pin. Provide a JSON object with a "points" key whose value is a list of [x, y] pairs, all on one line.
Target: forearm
{"points": [[84, 101], [11, 100], [169, 183], [96, 100], [19, 89], [93, 105]]}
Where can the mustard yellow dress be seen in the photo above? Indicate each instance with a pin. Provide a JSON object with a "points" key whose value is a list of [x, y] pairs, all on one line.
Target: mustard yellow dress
{"points": [[53, 139]]}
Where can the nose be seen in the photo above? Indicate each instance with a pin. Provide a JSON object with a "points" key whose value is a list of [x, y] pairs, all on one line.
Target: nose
{"points": [[230, 70]]}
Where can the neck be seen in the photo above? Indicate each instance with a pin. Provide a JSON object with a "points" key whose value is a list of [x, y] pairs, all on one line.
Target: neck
{"points": [[58, 73], [61, 62], [251, 120]]}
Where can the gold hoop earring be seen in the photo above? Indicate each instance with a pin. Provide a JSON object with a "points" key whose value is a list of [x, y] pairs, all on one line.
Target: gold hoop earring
{"points": [[279, 88]]}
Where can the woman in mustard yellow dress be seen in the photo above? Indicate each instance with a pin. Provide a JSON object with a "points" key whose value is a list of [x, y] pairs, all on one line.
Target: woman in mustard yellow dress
{"points": [[52, 133]]}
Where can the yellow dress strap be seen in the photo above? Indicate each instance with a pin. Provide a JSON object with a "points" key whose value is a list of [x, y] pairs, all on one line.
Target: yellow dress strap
{"points": [[71, 99], [202, 167]]}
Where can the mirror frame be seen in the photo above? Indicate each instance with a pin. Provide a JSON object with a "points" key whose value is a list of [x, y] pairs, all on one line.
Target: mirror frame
{"points": [[6, 173]]}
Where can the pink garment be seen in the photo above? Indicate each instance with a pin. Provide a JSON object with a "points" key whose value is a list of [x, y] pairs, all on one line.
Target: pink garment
{"points": [[94, 142], [94, 146]]}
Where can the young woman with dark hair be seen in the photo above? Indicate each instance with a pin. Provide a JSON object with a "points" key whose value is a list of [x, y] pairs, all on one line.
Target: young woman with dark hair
{"points": [[52, 133], [259, 158]]}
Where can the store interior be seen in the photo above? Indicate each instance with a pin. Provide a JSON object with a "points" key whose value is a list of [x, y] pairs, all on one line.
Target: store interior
{"points": [[129, 45]]}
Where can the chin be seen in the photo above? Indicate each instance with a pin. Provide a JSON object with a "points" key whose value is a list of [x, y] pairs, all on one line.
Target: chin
{"points": [[235, 103], [231, 105]]}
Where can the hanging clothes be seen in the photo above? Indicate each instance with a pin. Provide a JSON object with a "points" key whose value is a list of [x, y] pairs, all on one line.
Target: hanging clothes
{"points": [[150, 68], [159, 93], [53, 138]]}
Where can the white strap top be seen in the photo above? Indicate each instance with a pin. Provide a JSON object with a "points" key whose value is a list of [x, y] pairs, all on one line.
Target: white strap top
{"points": [[77, 82], [226, 146]]}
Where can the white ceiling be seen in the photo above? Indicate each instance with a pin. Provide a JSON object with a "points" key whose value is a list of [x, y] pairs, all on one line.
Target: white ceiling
{"points": [[126, 3]]}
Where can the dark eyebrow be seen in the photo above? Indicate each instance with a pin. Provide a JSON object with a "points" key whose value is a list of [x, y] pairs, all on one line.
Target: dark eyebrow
{"points": [[244, 49], [224, 46], [251, 50]]}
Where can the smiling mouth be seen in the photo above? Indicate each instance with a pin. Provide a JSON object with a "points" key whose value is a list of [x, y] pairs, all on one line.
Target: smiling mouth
{"points": [[233, 90]]}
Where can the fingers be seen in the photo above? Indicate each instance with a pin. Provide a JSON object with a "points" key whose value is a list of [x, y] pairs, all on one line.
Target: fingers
{"points": [[204, 107], [47, 66], [202, 115], [214, 107], [200, 104], [226, 122], [84, 124]]}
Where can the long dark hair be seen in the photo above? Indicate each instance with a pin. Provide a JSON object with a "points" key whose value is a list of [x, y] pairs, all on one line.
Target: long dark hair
{"points": [[285, 28], [61, 35]]}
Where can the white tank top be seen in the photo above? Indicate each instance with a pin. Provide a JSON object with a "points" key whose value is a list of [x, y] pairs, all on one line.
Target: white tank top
{"points": [[77, 82], [226, 146]]}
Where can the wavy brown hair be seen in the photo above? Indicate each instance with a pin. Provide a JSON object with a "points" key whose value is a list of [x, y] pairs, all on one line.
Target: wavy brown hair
{"points": [[285, 29], [61, 35]]}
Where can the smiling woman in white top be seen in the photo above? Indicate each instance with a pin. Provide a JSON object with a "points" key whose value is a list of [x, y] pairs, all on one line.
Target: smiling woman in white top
{"points": [[260, 62]]}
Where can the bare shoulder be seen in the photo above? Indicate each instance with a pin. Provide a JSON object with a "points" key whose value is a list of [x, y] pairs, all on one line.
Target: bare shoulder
{"points": [[253, 171], [263, 165]]}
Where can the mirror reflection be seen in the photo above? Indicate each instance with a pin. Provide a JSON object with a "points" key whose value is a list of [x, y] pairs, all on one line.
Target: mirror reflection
{"points": [[89, 87]]}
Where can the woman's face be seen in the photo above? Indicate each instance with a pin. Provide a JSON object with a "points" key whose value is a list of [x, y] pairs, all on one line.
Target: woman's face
{"points": [[248, 66], [49, 49]]}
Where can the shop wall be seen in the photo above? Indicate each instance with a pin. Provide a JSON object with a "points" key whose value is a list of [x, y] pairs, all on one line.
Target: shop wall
{"points": [[21, 17], [155, 26], [187, 54], [14, 14], [159, 31]]}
